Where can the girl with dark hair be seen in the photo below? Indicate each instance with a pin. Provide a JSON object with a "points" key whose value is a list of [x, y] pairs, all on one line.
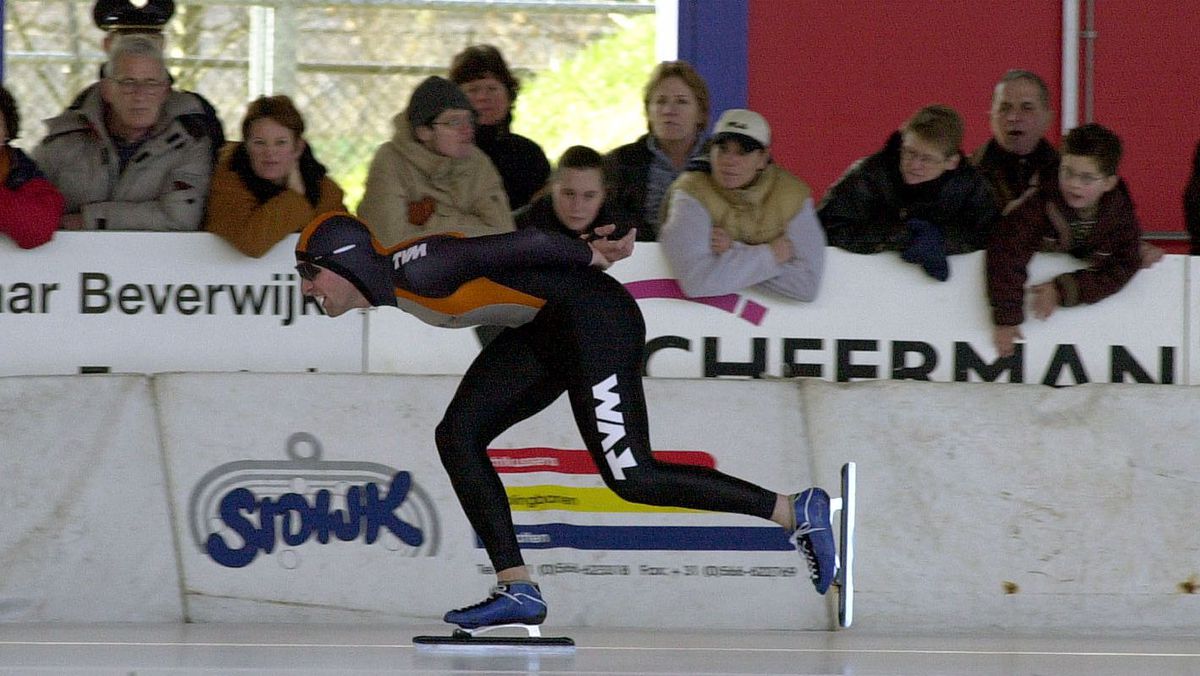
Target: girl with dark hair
{"points": [[575, 204]]}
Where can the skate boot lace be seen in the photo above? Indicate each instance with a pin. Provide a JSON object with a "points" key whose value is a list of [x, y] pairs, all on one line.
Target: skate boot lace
{"points": [[805, 545], [497, 592]]}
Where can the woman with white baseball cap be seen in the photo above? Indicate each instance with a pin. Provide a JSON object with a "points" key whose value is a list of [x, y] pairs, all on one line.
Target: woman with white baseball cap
{"points": [[742, 221]]}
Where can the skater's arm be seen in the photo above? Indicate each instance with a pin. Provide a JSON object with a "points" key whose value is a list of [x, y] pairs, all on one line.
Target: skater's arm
{"points": [[438, 265], [529, 248]]}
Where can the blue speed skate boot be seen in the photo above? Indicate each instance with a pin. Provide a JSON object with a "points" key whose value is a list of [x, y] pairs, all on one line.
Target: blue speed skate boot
{"points": [[814, 537], [510, 603]]}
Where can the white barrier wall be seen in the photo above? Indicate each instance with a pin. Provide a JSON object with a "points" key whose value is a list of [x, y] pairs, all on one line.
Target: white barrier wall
{"points": [[87, 535], [162, 302], [981, 506], [604, 561], [1023, 509], [875, 318]]}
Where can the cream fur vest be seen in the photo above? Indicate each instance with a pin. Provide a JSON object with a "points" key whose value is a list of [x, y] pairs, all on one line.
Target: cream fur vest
{"points": [[756, 214]]}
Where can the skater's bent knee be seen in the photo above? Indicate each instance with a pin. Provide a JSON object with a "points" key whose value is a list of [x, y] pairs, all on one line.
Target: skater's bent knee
{"points": [[637, 488], [453, 438]]}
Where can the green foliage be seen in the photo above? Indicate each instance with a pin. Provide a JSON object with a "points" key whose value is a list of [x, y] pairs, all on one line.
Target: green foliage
{"points": [[593, 98]]}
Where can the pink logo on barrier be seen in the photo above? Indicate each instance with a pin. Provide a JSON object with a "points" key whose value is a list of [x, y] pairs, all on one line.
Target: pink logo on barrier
{"points": [[669, 288]]}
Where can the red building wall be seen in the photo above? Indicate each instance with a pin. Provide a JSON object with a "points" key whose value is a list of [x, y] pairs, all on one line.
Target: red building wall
{"points": [[835, 78], [1147, 80]]}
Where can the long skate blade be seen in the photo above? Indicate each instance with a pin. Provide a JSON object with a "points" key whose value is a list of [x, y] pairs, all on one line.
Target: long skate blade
{"points": [[845, 579], [462, 642]]}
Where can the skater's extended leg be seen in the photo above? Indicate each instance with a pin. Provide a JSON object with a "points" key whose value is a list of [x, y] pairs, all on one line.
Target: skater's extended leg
{"points": [[611, 415], [609, 404], [603, 337]]}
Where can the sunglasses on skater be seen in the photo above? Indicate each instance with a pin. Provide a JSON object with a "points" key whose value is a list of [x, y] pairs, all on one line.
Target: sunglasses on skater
{"points": [[307, 271]]}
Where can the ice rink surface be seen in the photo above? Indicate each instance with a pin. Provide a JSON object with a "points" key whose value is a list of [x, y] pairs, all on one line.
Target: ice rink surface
{"points": [[306, 649]]}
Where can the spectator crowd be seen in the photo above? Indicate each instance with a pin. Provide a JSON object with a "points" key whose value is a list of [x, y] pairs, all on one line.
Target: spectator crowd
{"points": [[133, 152]]}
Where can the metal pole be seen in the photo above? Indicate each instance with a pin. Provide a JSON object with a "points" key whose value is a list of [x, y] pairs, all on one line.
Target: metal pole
{"points": [[666, 29], [260, 80], [287, 34], [1070, 65], [1089, 63]]}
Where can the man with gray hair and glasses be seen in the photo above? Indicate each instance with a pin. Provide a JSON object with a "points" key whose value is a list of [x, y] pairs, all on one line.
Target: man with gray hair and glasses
{"points": [[133, 154]]}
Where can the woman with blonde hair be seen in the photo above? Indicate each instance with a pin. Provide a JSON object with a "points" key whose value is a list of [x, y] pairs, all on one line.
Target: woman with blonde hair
{"points": [[270, 184], [639, 173]]}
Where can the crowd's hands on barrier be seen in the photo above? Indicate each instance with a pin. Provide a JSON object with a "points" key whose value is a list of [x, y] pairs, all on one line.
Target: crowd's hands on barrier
{"points": [[71, 222], [1150, 253], [783, 249], [927, 248], [1005, 339], [1045, 299], [607, 251], [720, 241]]}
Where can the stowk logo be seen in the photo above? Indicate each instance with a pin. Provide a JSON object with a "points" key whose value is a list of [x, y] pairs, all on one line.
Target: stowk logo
{"points": [[241, 509]]}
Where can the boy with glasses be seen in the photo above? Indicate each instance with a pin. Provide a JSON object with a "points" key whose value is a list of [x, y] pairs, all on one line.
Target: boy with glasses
{"points": [[1085, 211], [917, 195]]}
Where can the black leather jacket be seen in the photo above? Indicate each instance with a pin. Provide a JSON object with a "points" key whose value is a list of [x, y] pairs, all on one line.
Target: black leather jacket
{"points": [[626, 171], [1191, 203], [865, 211]]}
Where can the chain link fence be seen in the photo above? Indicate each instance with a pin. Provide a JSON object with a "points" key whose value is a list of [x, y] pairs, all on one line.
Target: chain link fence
{"points": [[355, 61]]}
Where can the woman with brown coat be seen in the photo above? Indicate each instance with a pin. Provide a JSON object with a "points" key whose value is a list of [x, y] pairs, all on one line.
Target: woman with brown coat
{"points": [[270, 185]]}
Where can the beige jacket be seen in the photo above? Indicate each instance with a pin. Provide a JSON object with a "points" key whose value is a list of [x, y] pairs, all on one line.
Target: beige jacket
{"points": [[164, 186], [412, 191]]}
